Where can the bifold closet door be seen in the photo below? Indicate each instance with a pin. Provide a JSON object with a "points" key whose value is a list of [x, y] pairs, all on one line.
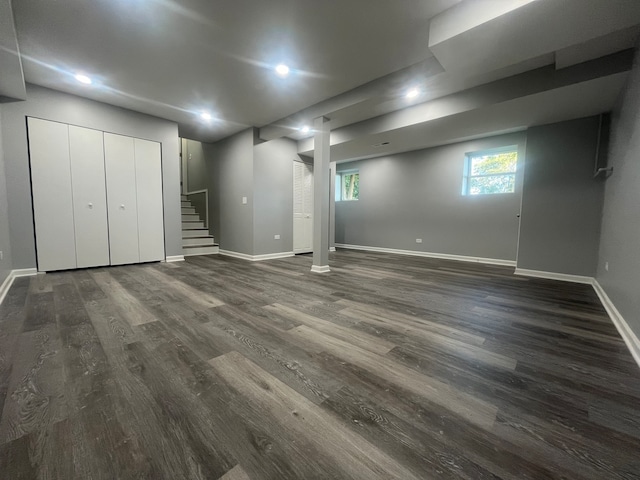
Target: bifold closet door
{"points": [[86, 150], [52, 198], [149, 195], [302, 207], [119, 156]]}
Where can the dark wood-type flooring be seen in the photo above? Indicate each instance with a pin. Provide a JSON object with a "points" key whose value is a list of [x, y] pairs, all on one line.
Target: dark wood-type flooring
{"points": [[389, 367]]}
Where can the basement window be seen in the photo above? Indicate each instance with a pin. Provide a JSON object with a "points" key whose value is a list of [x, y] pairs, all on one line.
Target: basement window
{"points": [[347, 185], [490, 171]]}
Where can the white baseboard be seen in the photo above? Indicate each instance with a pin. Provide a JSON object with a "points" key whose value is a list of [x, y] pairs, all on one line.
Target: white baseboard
{"points": [[175, 258], [272, 256], [444, 256], [13, 274], [564, 277], [320, 268], [24, 272], [242, 256], [256, 258], [629, 337]]}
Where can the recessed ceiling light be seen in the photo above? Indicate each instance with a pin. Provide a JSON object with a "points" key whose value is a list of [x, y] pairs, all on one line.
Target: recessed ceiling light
{"points": [[282, 70], [206, 116], [305, 129], [412, 93], [83, 79]]}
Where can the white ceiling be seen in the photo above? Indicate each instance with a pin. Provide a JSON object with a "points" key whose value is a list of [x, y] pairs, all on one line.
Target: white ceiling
{"points": [[352, 61], [175, 58]]}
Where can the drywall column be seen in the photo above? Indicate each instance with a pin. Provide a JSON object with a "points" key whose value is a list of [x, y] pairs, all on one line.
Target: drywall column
{"points": [[321, 196], [332, 208]]}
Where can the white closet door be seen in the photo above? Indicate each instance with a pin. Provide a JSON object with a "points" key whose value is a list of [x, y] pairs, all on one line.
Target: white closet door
{"points": [[149, 195], [86, 151], [52, 198], [121, 198], [302, 207]]}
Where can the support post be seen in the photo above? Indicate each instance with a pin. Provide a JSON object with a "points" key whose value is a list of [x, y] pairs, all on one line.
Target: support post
{"points": [[332, 208], [321, 160]]}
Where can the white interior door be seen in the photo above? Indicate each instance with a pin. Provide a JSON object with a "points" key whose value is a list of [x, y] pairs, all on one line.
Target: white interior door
{"points": [[52, 197], [86, 151], [302, 207], [149, 199], [121, 198]]}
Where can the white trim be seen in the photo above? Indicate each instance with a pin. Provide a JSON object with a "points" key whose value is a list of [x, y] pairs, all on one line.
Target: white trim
{"points": [[332, 249], [272, 256], [242, 256], [255, 258], [629, 337], [320, 268], [564, 277], [13, 274], [175, 258], [445, 256], [24, 272]]}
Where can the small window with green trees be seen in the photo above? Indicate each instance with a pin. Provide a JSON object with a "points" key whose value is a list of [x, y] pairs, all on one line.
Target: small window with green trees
{"points": [[347, 185], [490, 171]]}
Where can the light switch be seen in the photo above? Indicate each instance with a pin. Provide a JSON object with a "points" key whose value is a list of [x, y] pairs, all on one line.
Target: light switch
{"points": [[244, 200]]}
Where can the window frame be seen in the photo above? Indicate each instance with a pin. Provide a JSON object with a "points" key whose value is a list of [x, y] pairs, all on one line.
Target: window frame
{"points": [[467, 176], [339, 196]]}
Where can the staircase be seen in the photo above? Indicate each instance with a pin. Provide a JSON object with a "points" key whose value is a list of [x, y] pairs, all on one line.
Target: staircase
{"points": [[195, 237]]}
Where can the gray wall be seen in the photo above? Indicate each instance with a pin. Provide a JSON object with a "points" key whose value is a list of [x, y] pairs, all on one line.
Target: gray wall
{"points": [[196, 166], [197, 176], [61, 107], [620, 239], [5, 245], [273, 195], [261, 171], [418, 195], [230, 173], [562, 203], [199, 202], [213, 185]]}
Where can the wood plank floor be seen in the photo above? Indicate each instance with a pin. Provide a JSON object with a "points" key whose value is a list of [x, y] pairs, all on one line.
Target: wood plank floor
{"points": [[389, 367]]}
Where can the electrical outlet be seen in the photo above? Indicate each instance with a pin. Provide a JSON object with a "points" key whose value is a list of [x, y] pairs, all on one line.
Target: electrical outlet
{"points": [[418, 240], [276, 237], [244, 200], [1, 255], [606, 264]]}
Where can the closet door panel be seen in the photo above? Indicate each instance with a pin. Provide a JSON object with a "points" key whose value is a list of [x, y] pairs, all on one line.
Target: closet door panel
{"points": [[302, 207], [52, 194], [86, 150], [150, 205], [121, 198]]}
